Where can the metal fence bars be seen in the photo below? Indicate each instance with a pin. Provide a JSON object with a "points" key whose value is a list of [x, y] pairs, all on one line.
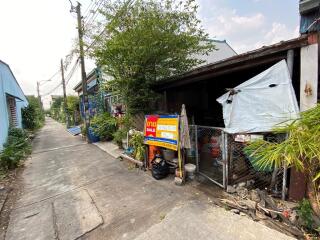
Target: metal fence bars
{"points": [[208, 151], [243, 167], [220, 157]]}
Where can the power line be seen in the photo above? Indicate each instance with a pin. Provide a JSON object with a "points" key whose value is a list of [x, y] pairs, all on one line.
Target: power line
{"points": [[70, 74], [52, 90], [94, 41], [54, 75], [86, 11], [94, 12], [72, 71]]}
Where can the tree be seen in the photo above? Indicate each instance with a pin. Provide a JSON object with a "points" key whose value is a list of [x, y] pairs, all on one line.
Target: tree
{"points": [[144, 41], [32, 115], [301, 149], [73, 107], [56, 109]]}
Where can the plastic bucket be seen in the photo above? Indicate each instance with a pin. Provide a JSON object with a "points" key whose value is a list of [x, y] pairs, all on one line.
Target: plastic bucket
{"points": [[168, 154], [190, 170]]}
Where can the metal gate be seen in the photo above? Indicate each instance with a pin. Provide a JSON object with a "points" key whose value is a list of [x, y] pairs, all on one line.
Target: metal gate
{"points": [[209, 148]]}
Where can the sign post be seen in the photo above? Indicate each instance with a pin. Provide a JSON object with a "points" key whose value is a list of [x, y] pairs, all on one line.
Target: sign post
{"points": [[162, 131]]}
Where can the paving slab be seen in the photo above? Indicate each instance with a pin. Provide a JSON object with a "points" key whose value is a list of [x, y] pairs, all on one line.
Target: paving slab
{"points": [[195, 220], [110, 148], [75, 215], [3, 196], [32, 223]]}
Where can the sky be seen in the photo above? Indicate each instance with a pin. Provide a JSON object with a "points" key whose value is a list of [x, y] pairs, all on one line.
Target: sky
{"points": [[36, 34]]}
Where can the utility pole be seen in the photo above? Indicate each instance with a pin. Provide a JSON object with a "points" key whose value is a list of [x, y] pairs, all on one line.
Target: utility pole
{"points": [[64, 95], [39, 96], [77, 9], [38, 91]]}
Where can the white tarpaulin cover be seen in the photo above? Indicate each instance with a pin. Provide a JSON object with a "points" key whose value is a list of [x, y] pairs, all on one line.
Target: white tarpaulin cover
{"points": [[260, 103]]}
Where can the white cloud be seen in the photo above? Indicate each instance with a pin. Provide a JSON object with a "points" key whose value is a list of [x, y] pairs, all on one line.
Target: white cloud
{"points": [[243, 32], [278, 32], [231, 24]]}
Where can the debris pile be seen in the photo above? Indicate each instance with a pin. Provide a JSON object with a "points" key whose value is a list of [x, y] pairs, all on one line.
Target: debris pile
{"points": [[260, 206]]}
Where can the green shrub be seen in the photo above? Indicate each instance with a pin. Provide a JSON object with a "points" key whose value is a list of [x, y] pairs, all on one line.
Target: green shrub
{"points": [[305, 213], [84, 130], [104, 126], [137, 142], [118, 136], [15, 149], [124, 124], [29, 120], [32, 115]]}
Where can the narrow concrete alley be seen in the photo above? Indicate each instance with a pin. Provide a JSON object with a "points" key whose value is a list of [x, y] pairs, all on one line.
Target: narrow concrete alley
{"points": [[73, 190]]}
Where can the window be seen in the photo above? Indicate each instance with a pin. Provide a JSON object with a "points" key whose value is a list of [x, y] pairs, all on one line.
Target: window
{"points": [[12, 111]]}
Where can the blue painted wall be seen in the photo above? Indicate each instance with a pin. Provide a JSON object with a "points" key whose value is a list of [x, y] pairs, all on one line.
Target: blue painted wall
{"points": [[9, 85]]}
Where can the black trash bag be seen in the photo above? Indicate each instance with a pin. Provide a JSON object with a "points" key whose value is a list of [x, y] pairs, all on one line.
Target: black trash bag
{"points": [[160, 169]]}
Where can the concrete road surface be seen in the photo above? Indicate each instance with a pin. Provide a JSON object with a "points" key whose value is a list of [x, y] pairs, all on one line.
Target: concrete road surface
{"points": [[73, 190]]}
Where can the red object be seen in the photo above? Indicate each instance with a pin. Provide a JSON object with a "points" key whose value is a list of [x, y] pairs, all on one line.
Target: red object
{"points": [[286, 213], [213, 140], [215, 152], [153, 150], [151, 126]]}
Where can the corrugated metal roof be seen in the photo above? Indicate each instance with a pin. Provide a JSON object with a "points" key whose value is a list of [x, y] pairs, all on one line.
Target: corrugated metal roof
{"points": [[228, 65]]}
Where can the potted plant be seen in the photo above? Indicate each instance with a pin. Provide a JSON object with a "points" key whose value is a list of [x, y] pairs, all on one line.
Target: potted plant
{"points": [[137, 142]]}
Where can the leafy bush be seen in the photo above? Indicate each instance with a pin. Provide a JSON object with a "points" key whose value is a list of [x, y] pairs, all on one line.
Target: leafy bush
{"points": [[118, 136], [104, 126], [56, 109], [73, 109], [305, 213], [137, 142], [32, 115], [84, 130], [300, 150], [124, 125], [15, 149], [29, 120]]}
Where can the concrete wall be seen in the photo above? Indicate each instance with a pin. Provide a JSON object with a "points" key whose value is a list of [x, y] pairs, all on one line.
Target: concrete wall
{"points": [[309, 77], [9, 85]]}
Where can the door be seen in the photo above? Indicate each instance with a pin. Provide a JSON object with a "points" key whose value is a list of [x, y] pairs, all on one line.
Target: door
{"points": [[211, 157]]}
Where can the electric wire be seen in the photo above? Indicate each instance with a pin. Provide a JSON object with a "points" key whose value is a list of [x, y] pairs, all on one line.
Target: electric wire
{"points": [[54, 75], [52, 90], [72, 71], [94, 12], [88, 8]]}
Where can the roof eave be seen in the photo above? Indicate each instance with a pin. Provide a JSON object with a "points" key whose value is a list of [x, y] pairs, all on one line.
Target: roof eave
{"points": [[263, 52]]}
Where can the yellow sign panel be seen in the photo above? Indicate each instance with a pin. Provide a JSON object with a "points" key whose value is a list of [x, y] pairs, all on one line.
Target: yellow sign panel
{"points": [[162, 131]]}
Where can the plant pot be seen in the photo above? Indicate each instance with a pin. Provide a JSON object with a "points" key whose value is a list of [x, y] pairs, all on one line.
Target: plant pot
{"points": [[124, 143], [168, 154], [93, 138]]}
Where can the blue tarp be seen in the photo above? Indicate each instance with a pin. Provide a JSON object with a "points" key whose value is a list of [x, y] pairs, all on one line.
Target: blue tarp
{"points": [[74, 130]]}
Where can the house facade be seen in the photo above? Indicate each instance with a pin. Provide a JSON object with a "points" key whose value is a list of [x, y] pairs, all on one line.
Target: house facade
{"points": [[12, 100], [199, 89], [95, 95]]}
